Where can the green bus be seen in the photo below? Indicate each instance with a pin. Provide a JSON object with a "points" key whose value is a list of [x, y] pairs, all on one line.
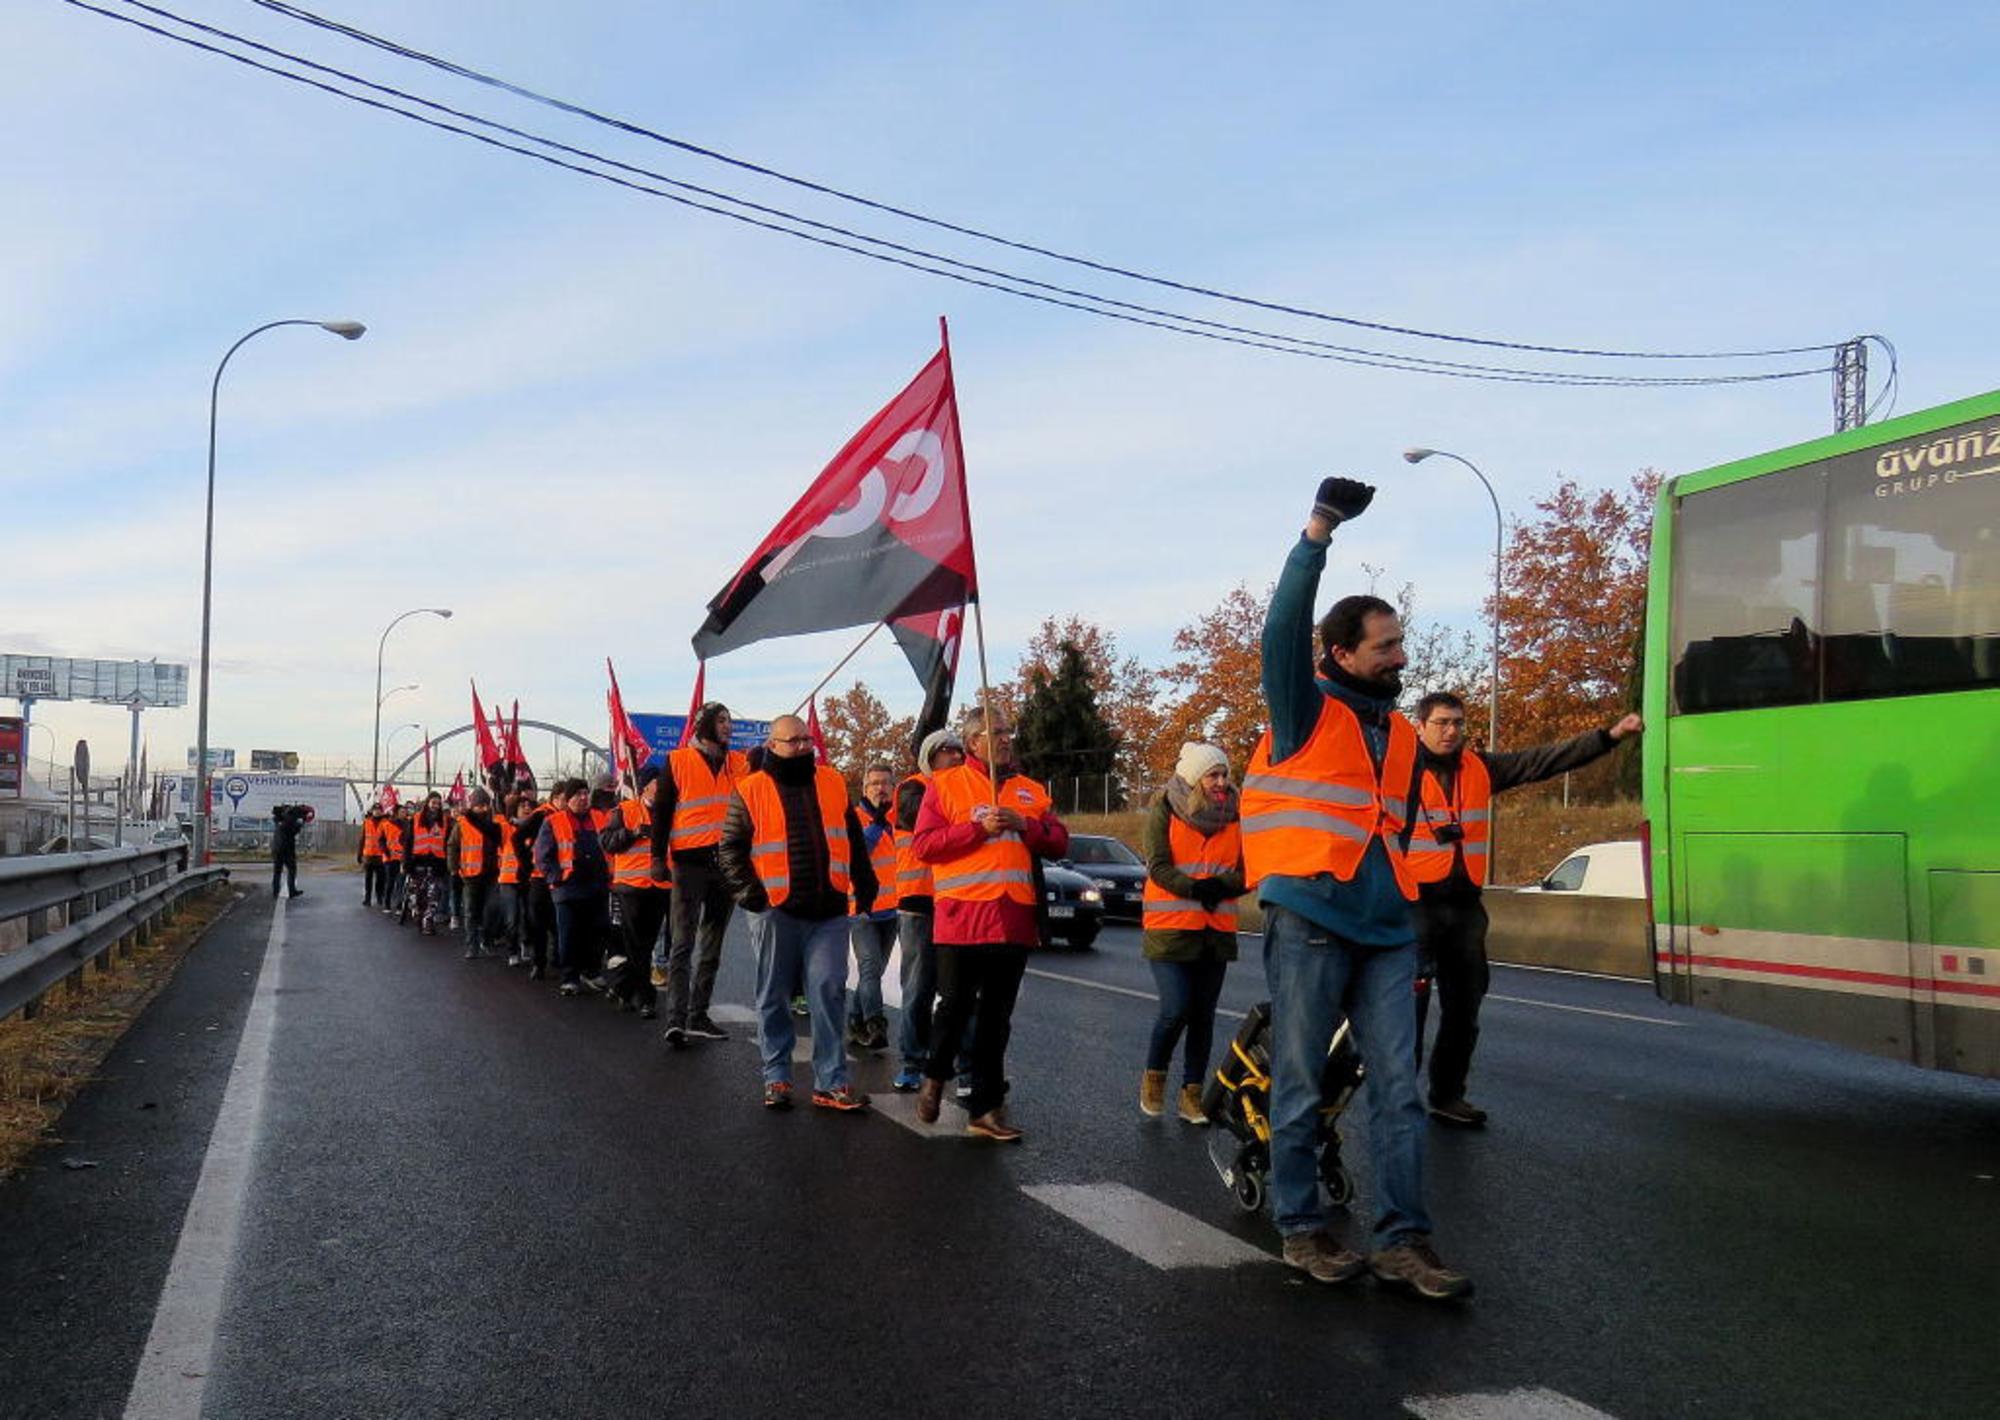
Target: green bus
{"points": [[1822, 772]]}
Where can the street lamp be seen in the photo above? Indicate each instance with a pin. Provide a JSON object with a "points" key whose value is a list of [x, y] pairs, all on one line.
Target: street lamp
{"points": [[375, 767], [391, 694], [346, 330], [1493, 701]]}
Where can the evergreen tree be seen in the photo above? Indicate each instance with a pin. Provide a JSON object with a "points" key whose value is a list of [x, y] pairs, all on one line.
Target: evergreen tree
{"points": [[1063, 734]]}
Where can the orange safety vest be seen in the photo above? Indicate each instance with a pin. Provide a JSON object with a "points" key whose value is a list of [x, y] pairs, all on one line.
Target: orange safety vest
{"points": [[701, 797], [634, 867], [371, 838], [600, 818], [510, 856], [471, 848], [913, 874], [1470, 806], [1198, 856], [883, 858], [537, 815], [770, 854], [430, 839], [562, 825], [1001, 867], [1317, 811], [392, 837]]}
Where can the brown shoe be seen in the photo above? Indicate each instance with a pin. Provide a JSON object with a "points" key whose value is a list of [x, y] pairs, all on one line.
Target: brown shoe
{"points": [[1190, 1105], [1153, 1093], [993, 1125], [1321, 1258], [1413, 1264], [928, 1100]]}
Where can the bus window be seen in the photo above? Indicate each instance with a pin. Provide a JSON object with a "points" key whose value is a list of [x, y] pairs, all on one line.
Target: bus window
{"points": [[1746, 565], [1912, 584]]}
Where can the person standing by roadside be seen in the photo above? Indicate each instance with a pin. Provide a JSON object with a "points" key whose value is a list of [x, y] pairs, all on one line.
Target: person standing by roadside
{"points": [[873, 934], [793, 855], [981, 829], [368, 853], [941, 749], [1194, 874], [478, 869], [642, 898], [287, 822], [579, 876], [1448, 837], [1324, 805], [395, 832], [692, 801]]}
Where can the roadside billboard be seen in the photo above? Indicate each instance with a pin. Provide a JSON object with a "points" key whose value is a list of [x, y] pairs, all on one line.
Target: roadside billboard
{"points": [[13, 754], [147, 684], [272, 761], [217, 758], [245, 801]]}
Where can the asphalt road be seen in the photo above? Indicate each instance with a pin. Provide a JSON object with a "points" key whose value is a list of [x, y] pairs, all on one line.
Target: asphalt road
{"points": [[462, 1195]]}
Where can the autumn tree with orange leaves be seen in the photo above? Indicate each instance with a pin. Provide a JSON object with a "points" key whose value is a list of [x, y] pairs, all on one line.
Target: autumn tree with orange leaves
{"points": [[860, 731]]}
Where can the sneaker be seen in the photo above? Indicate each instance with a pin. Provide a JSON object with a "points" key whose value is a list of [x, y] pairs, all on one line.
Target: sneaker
{"points": [[516, 959], [677, 1037], [659, 977], [472, 954], [536, 973], [1321, 1258], [1153, 1093], [908, 1081], [613, 965], [929, 1096], [857, 1034], [844, 1098], [598, 984], [702, 1028], [1413, 1264], [801, 1007], [961, 1088], [647, 1013], [1459, 1111], [778, 1094], [298, 892], [1190, 1105], [993, 1125], [569, 988]]}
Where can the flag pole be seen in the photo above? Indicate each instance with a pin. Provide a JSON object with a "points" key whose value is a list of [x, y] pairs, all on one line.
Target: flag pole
{"points": [[978, 616], [843, 663]]}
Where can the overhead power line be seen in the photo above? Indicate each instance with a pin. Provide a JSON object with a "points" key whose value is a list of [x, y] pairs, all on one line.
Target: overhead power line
{"points": [[579, 160], [305, 16]]}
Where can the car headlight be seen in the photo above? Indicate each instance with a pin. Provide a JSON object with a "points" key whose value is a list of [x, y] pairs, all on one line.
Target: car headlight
{"points": [[1091, 894]]}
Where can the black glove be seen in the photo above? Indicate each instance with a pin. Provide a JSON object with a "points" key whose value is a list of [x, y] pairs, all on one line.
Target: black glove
{"points": [[1340, 499], [1207, 892]]}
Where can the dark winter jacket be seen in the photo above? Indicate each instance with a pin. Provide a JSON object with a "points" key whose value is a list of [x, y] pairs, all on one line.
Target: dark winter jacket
{"points": [[590, 870], [812, 895]]}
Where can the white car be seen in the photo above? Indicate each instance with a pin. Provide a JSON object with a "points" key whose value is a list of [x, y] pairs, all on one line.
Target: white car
{"points": [[1598, 870]]}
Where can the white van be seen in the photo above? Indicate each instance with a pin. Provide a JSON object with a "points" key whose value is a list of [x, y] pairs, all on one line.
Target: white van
{"points": [[1598, 870]]}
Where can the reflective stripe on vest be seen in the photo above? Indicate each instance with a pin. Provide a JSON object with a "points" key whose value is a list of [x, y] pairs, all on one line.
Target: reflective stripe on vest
{"points": [[471, 848], [562, 827], [371, 838], [392, 838], [634, 867], [1198, 857], [883, 858], [1318, 810], [429, 840], [913, 874], [770, 852], [1000, 867], [1469, 806], [510, 856], [701, 796]]}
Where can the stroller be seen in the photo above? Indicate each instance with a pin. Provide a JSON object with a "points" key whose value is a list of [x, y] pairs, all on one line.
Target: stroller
{"points": [[1238, 1100]]}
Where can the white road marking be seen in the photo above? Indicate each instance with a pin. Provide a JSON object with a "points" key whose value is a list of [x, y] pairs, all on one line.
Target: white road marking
{"points": [[1114, 990], [902, 1109], [732, 1015], [1592, 1011], [1528, 1403], [1145, 1227], [172, 1379]]}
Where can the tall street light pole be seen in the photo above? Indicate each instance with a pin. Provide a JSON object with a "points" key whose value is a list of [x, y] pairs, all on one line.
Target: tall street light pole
{"points": [[1493, 701], [346, 330], [375, 765]]}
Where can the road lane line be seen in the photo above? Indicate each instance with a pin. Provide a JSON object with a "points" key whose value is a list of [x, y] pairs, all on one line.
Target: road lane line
{"points": [[172, 1379], [1115, 990], [1592, 1011], [1528, 1403], [1145, 1227], [902, 1109]]}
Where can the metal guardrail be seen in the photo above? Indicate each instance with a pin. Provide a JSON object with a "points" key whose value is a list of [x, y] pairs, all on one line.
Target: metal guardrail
{"points": [[79, 906]]}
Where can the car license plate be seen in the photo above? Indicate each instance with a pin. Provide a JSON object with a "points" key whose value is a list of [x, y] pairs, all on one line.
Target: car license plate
{"points": [[1062, 912]]}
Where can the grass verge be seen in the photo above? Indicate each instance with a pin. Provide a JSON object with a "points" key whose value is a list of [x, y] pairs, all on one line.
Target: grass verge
{"points": [[45, 1061]]}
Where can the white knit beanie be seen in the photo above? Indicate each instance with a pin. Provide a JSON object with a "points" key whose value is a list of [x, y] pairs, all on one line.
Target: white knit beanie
{"points": [[1198, 759]]}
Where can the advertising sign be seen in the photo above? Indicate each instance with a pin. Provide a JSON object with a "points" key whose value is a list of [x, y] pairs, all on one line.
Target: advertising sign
{"points": [[37, 682], [245, 801], [274, 761], [13, 754], [143, 683], [663, 732], [217, 758]]}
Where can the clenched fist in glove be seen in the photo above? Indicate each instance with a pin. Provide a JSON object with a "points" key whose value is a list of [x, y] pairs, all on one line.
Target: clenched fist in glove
{"points": [[1340, 499]]}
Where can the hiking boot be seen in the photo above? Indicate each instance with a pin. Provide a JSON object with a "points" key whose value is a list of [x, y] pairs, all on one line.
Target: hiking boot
{"points": [[659, 977], [1191, 1111], [857, 1034], [843, 1098], [1459, 1111], [778, 1094], [908, 1081], [677, 1037], [1153, 1093], [878, 1033], [702, 1028], [1321, 1258], [929, 1097], [1411, 1263], [993, 1125], [961, 1088]]}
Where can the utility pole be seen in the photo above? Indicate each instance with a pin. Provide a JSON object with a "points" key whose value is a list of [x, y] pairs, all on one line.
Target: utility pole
{"points": [[1850, 385]]}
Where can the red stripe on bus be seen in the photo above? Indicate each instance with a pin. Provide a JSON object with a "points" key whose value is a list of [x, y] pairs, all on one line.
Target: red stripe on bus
{"points": [[1831, 973]]}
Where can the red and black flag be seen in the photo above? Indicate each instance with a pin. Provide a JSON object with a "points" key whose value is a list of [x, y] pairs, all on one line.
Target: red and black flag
{"points": [[482, 733], [881, 534], [931, 639]]}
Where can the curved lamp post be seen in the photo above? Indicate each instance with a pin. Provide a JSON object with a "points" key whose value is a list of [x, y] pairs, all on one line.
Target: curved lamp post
{"points": [[346, 330], [1493, 698], [375, 764]]}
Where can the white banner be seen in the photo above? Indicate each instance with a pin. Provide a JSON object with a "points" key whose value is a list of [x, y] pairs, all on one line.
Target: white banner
{"points": [[251, 797]]}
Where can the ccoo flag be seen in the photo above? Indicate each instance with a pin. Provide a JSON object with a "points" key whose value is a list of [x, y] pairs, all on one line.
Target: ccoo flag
{"points": [[881, 534], [930, 640]]}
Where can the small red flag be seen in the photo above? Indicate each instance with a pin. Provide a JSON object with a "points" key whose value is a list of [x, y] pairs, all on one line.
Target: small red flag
{"points": [[694, 705], [629, 748], [813, 729], [515, 754], [388, 799], [489, 748], [456, 796]]}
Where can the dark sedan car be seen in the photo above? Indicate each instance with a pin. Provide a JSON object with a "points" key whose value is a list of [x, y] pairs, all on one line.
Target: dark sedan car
{"points": [[1120, 873], [1072, 907]]}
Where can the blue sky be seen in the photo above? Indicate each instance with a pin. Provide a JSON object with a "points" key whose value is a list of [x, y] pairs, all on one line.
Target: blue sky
{"points": [[578, 408]]}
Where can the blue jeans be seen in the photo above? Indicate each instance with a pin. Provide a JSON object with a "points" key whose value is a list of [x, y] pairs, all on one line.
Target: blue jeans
{"points": [[873, 938], [1313, 974], [1188, 993], [913, 1035], [786, 946]]}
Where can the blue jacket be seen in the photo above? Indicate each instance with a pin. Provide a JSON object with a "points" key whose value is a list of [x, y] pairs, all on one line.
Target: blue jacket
{"points": [[1370, 910]]}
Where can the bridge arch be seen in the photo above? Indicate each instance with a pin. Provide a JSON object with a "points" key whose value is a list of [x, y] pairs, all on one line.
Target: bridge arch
{"points": [[416, 756]]}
